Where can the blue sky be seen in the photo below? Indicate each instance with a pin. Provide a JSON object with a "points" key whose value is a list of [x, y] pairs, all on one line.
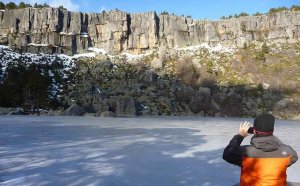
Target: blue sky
{"points": [[198, 9]]}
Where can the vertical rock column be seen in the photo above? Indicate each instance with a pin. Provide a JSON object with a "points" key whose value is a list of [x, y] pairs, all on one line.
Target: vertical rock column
{"points": [[143, 31]]}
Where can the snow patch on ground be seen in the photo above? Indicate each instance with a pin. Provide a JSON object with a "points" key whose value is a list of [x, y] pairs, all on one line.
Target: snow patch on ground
{"points": [[131, 57], [84, 55], [3, 46], [217, 48], [35, 44], [98, 50]]}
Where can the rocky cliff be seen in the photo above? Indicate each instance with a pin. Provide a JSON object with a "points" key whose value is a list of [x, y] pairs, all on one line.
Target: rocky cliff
{"points": [[51, 30]]}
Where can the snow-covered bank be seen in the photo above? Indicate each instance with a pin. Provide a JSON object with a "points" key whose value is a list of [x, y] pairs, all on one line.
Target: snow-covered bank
{"points": [[124, 151]]}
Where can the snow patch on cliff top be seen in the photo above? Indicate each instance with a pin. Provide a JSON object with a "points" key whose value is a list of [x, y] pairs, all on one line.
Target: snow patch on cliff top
{"points": [[217, 48]]}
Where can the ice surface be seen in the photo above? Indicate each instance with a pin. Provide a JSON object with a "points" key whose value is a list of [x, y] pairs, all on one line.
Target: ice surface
{"points": [[124, 151]]}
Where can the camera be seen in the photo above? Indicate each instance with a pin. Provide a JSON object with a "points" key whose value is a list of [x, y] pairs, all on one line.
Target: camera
{"points": [[250, 130]]}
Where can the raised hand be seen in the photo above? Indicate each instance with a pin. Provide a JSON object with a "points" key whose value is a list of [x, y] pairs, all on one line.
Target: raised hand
{"points": [[244, 129]]}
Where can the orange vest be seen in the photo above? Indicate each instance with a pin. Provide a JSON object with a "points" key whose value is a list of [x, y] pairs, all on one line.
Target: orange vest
{"points": [[264, 171]]}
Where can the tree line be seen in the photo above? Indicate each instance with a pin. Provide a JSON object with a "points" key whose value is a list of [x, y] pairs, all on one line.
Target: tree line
{"points": [[271, 11], [12, 5]]}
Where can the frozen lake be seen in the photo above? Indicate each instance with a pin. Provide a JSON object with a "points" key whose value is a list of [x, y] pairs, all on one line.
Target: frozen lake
{"points": [[125, 151]]}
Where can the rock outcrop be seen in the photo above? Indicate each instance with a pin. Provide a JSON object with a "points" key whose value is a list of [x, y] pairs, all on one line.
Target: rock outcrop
{"points": [[52, 30]]}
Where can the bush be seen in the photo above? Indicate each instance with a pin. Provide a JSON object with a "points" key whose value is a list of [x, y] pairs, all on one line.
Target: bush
{"points": [[11, 6], [276, 10], [164, 13], [186, 71], [260, 56], [265, 48], [22, 5], [243, 14], [295, 8], [62, 8], [257, 14], [2, 6]]}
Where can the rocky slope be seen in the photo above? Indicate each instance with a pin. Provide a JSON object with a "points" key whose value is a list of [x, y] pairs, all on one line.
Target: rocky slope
{"points": [[51, 30], [200, 80]]}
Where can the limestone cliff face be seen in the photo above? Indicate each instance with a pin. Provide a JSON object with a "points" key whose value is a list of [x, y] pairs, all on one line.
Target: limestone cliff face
{"points": [[51, 30]]}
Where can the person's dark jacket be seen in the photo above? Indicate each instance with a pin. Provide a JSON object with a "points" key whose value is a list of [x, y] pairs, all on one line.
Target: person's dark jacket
{"points": [[263, 163]]}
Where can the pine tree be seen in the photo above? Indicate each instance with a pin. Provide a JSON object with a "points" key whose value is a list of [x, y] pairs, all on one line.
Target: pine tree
{"points": [[2, 6], [11, 6], [22, 5], [62, 7], [36, 89]]}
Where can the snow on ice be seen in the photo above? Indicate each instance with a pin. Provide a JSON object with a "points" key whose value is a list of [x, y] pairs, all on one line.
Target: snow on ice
{"points": [[165, 151]]}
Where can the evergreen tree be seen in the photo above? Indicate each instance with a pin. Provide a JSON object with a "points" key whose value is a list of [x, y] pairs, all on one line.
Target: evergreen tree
{"points": [[164, 13], [22, 5], [11, 5], [257, 14], [243, 14], [13, 86], [62, 7], [2, 6], [36, 89], [45, 5]]}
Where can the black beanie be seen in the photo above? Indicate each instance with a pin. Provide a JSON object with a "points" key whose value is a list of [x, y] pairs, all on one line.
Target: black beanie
{"points": [[264, 123]]}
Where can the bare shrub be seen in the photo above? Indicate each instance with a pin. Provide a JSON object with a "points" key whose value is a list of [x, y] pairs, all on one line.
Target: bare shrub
{"points": [[186, 71]]}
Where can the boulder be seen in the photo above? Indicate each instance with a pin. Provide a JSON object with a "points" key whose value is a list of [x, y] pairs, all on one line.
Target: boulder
{"points": [[203, 103], [185, 94], [55, 113], [157, 63], [282, 104], [74, 110], [125, 107], [266, 86], [232, 106], [204, 90], [4, 110], [107, 114], [16, 111]]}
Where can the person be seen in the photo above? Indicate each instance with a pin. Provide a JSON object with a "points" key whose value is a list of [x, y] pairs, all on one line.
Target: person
{"points": [[264, 162]]}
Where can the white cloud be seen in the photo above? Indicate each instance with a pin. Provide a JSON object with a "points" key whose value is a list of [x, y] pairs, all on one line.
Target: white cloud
{"points": [[32, 2], [65, 3], [103, 8]]}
